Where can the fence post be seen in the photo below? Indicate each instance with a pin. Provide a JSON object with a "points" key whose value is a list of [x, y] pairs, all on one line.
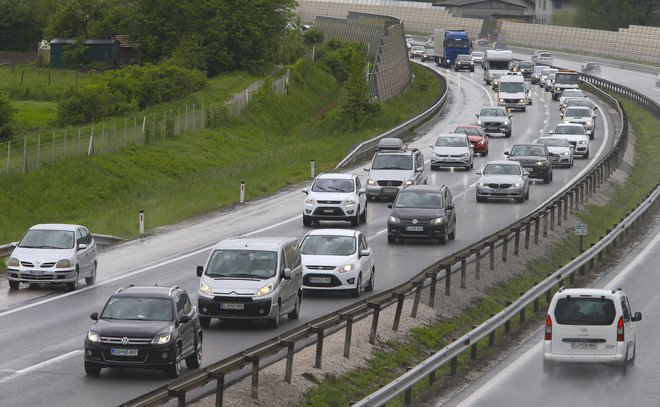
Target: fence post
{"points": [[447, 279], [463, 260], [38, 150], [477, 263], [491, 253], [319, 345], [418, 295], [374, 322], [349, 334], [290, 351], [434, 280]]}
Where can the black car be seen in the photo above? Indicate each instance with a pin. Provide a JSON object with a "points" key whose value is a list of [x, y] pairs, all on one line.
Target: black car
{"points": [[591, 68], [148, 327], [535, 159], [464, 63], [422, 212], [526, 68]]}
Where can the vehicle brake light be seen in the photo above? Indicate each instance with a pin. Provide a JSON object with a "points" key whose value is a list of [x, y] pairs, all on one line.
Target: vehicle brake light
{"points": [[619, 330], [548, 328]]}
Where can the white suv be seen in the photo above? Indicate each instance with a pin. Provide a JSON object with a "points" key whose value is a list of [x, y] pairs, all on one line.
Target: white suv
{"points": [[589, 325], [335, 196]]}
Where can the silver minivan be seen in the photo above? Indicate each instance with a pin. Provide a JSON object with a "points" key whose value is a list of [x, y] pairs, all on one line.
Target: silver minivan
{"points": [[251, 278]]}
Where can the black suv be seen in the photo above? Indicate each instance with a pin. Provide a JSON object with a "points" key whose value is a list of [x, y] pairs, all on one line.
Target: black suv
{"points": [[535, 159], [422, 212], [148, 327]]}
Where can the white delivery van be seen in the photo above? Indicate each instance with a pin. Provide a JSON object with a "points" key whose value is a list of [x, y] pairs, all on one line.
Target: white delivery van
{"points": [[512, 92]]}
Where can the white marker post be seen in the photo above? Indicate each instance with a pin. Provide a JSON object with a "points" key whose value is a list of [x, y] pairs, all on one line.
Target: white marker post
{"points": [[312, 167], [242, 197], [141, 220]]}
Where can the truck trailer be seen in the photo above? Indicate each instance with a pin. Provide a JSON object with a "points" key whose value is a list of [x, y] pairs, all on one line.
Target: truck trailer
{"points": [[496, 63], [448, 44]]}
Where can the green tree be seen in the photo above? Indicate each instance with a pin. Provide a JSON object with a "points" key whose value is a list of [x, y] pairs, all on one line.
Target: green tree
{"points": [[356, 102], [614, 14], [75, 18], [7, 111], [20, 26], [74, 55]]}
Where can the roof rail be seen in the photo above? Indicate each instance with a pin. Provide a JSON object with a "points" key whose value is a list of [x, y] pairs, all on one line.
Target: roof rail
{"points": [[122, 288], [174, 287]]}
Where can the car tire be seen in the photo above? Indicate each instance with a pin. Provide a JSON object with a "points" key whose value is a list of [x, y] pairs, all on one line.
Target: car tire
{"points": [[524, 109], [591, 136], [295, 313], [363, 216], [357, 291], [74, 285], [521, 199], [92, 369], [546, 178], [372, 280], [507, 134], [485, 153], [355, 220], [92, 278], [14, 285], [195, 360], [452, 235], [174, 370], [444, 238], [527, 194], [275, 321], [205, 322], [307, 220], [391, 239], [586, 155]]}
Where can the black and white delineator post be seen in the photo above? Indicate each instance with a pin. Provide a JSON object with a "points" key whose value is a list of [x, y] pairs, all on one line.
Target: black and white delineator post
{"points": [[141, 220], [242, 196], [311, 163]]}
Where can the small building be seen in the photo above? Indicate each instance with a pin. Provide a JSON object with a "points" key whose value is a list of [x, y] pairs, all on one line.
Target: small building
{"points": [[129, 52], [102, 50]]}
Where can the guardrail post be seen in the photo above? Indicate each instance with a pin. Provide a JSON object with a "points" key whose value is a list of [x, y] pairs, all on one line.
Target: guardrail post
{"points": [[219, 387], [507, 324], [505, 245], [535, 306], [566, 198], [397, 313], [552, 217], [255, 374], [522, 311], [453, 365], [374, 322], [578, 195], [434, 281], [463, 260], [180, 396], [473, 348], [290, 351], [407, 396], [477, 263], [537, 220], [548, 293], [349, 334], [571, 199], [516, 241], [545, 223], [591, 260], [491, 335], [447, 279], [320, 332], [491, 247], [418, 295], [561, 202], [527, 233]]}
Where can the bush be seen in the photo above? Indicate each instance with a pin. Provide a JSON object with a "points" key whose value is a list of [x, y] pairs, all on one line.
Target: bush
{"points": [[6, 113]]}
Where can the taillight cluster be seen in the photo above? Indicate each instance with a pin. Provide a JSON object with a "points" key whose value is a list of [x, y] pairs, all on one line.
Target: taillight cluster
{"points": [[619, 330], [548, 328]]}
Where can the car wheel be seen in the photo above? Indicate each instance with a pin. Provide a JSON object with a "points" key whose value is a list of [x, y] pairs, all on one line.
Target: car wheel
{"points": [[296, 308], [570, 164], [195, 360], [363, 216], [443, 239], [372, 280], [92, 278], [74, 285], [507, 134], [524, 109], [14, 285], [307, 220], [357, 291], [591, 136], [355, 220], [551, 175], [527, 194], [485, 153], [586, 155], [275, 321], [546, 179], [174, 370], [624, 364], [92, 369], [452, 235], [205, 322], [391, 239], [521, 199]]}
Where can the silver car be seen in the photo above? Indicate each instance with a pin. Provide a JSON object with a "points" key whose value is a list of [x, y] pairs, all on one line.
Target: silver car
{"points": [[394, 167], [581, 115], [504, 180], [495, 119], [53, 254], [561, 147], [576, 136], [452, 150]]}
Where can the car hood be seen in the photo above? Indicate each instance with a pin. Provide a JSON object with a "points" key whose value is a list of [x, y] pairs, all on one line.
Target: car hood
{"points": [[500, 179], [325, 260], [573, 137], [42, 255], [235, 286], [475, 139], [495, 119], [558, 150], [132, 328], [450, 150], [418, 213], [527, 157], [398, 175], [331, 196]]}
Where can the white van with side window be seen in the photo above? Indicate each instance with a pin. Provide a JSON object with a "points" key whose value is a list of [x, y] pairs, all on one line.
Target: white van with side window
{"points": [[512, 92], [251, 278], [588, 325]]}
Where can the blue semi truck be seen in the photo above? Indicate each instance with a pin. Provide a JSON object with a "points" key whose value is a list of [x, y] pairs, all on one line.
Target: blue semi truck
{"points": [[449, 44]]}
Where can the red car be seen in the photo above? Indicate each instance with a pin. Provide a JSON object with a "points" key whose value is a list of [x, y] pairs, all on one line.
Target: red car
{"points": [[477, 136]]}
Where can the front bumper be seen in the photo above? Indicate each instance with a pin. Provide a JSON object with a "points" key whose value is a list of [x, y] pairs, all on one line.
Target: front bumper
{"points": [[328, 212], [42, 276], [406, 230], [149, 356], [387, 192], [519, 104], [500, 191], [491, 128], [329, 280], [450, 162], [233, 307]]}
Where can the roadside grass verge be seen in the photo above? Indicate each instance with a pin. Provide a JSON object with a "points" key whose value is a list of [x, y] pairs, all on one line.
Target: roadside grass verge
{"points": [[270, 147], [395, 357]]}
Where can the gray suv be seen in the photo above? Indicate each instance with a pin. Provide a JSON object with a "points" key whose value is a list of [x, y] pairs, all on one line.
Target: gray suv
{"points": [[495, 119], [394, 167]]}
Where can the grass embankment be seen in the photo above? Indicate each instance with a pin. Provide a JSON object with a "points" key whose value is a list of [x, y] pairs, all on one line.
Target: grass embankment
{"points": [[270, 146], [394, 358]]}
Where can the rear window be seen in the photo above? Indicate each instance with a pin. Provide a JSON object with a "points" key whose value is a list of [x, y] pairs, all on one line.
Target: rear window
{"points": [[585, 311]]}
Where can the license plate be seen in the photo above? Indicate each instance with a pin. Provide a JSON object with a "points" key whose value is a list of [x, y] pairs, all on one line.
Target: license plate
{"points": [[36, 272], [391, 190], [583, 345], [415, 228], [232, 306], [528, 168], [319, 280], [328, 211], [123, 352]]}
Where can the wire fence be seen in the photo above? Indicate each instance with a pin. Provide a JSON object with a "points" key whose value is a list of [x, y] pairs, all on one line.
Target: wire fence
{"points": [[31, 152]]}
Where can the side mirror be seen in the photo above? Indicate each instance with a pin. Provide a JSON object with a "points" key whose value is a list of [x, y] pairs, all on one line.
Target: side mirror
{"points": [[389, 205], [366, 169], [184, 319], [305, 191], [450, 207], [94, 316], [525, 173], [82, 246], [506, 153], [637, 317], [551, 132], [13, 244], [365, 252], [595, 107], [287, 273], [477, 173], [572, 147], [200, 271], [362, 191]]}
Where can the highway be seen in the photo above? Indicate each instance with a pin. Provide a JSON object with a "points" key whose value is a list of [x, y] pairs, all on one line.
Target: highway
{"points": [[41, 362]]}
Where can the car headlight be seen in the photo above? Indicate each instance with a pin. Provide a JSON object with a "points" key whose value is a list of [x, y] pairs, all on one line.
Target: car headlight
{"points": [[564, 153], [518, 184], [479, 122], [490, 75], [434, 154], [501, 100], [409, 182], [93, 336], [393, 219], [161, 339], [346, 268], [351, 201], [506, 122], [589, 123], [371, 182], [62, 264], [205, 288], [521, 101], [582, 142], [310, 201], [437, 221], [466, 155], [541, 163], [265, 290], [481, 184], [13, 262]]}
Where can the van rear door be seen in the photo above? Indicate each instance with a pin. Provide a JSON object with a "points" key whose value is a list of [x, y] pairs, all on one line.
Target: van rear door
{"points": [[584, 324]]}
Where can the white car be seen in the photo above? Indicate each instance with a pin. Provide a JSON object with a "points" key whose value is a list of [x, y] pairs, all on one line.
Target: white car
{"points": [[477, 57], [337, 259], [542, 58], [53, 254], [335, 197], [581, 115], [576, 136], [559, 146], [451, 151], [569, 93], [503, 179], [589, 325], [416, 51]]}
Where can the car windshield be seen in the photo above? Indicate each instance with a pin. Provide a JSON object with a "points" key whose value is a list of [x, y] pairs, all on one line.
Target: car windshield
{"points": [[575, 93], [392, 162], [579, 102], [333, 185], [527, 64], [512, 87], [451, 142], [328, 245], [501, 169], [554, 142], [472, 131], [575, 112], [234, 263], [47, 239], [465, 58], [585, 311], [569, 130], [528, 150], [477, 54], [138, 308], [418, 199], [547, 72], [490, 112]]}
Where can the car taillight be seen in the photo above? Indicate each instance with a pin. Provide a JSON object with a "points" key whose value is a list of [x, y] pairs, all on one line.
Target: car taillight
{"points": [[619, 330], [548, 328]]}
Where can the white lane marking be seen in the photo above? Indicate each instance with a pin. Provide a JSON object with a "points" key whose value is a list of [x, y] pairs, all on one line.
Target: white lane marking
{"points": [[40, 365], [494, 382]]}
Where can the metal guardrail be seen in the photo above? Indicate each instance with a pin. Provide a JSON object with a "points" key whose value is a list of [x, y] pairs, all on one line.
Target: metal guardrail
{"points": [[569, 200]]}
